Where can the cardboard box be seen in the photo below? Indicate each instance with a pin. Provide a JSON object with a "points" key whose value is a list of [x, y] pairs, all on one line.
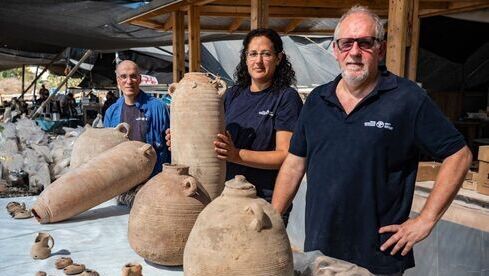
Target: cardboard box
{"points": [[469, 175], [469, 185], [483, 153], [427, 171], [482, 178], [483, 170]]}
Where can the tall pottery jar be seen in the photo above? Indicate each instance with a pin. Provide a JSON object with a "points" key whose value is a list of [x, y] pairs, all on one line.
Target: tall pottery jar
{"points": [[197, 116], [164, 212], [238, 234], [94, 141], [108, 174]]}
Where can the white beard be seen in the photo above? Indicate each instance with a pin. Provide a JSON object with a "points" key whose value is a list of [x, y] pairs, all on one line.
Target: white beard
{"points": [[354, 79]]}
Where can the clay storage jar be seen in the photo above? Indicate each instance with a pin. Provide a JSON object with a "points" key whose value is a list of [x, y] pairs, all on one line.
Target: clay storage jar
{"points": [[164, 212], [110, 173], [93, 141], [238, 234], [197, 116]]}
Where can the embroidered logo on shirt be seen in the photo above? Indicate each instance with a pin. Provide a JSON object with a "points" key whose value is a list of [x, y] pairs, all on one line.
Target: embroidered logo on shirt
{"points": [[266, 112], [379, 124]]}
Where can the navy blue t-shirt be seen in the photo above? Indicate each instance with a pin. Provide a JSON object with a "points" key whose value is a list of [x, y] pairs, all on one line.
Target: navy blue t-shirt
{"points": [[361, 167], [252, 119]]}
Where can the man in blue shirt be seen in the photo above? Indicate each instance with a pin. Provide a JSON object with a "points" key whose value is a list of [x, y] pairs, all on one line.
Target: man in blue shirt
{"points": [[359, 138], [147, 117]]}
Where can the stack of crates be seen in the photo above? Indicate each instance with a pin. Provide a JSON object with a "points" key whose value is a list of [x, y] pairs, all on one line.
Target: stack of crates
{"points": [[482, 177]]}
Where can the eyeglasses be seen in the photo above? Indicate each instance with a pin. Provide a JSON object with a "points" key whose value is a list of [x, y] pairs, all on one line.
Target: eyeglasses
{"points": [[364, 43], [125, 77], [253, 55]]}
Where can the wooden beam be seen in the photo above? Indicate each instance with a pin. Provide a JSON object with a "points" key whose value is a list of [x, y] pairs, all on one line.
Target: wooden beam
{"points": [[412, 61], [224, 29], [150, 24], [259, 14], [235, 24], [279, 12], [178, 23], [336, 4], [450, 1], [396, 36], [455, 7], [294, 23], [194, 38], [168, 25], [23, 77], [166, 8]]}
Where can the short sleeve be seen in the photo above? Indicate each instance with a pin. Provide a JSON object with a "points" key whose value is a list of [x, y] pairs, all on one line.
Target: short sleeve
{"points": [[434, 134], [288, 110]]}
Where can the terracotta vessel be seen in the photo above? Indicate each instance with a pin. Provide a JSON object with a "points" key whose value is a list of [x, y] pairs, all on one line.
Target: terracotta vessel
{"points": [[132, 269], [238, 234], [41, 249], [94, 141], [111, 173], [164, 212], [197, 116]]}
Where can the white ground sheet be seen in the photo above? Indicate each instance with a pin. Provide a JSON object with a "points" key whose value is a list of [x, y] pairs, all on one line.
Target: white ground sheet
{"points": [[96, 238]]}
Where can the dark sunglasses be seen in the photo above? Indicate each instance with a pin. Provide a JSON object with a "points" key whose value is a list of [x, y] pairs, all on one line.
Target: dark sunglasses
{"points": [[365, 43]]}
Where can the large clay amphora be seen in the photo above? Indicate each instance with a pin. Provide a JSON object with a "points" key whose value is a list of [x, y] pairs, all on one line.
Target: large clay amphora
{"points": [[197, 116], [41, 249], [110, 173], [94, 141], [238, 234], [164, 212]]}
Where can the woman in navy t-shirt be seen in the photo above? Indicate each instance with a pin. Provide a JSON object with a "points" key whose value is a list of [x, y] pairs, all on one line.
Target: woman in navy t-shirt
{"points": [[261, 111]]}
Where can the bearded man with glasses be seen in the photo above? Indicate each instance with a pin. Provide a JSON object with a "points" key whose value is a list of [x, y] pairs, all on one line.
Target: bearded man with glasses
{"points": [[359, 138], [147, 117]]}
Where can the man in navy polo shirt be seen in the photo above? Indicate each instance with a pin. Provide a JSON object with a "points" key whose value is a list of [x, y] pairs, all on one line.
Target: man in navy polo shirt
{"points": [[359, 139]]}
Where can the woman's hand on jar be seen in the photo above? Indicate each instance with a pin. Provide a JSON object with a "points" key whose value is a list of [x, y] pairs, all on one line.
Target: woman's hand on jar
{"points": [[225, 149]]}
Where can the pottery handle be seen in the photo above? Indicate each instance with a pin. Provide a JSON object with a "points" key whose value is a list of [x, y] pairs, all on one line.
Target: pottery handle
{"points": [[189, 186], [123, 128], [256, 210], [221, 87], [52, 242], [172, 88], [146, 149]]}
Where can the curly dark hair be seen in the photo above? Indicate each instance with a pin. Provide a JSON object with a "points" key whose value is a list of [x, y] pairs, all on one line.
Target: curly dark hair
{"points": [[284, 75]]}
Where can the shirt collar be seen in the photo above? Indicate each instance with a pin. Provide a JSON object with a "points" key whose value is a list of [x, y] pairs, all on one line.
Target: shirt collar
{"points": [[388, 81]]}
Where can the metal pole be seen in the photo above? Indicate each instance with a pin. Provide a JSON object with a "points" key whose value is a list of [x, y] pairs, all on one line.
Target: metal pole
{"points": [[35, 84], [42, 72], [23, 78], [84, 57]]}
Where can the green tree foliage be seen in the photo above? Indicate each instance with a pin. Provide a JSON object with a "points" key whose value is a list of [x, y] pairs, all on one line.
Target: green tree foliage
{"points": [[52, 81]]}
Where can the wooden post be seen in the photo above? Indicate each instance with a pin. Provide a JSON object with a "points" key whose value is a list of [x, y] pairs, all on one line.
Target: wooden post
{"points": [[259, 14], [194, 38], [413, 50], [396, 36], [178, 45], [23, 80]]}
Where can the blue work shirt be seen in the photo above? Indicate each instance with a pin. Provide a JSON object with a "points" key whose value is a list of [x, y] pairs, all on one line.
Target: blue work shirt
{"points": [[158, 120], [252, 119], [361, 167]]}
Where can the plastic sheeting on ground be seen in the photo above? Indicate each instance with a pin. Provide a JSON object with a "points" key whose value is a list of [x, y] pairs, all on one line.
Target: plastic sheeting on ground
{"points": [[96, 238]]}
